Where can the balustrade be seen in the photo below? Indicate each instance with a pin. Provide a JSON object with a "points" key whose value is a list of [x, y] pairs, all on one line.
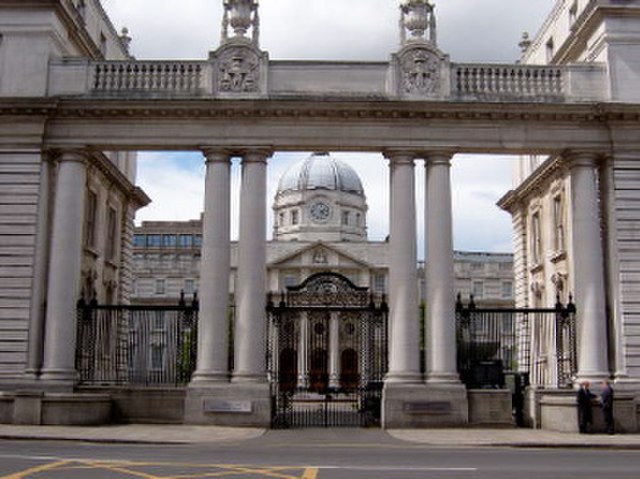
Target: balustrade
{"points": [[507, 81], [136, 76]]}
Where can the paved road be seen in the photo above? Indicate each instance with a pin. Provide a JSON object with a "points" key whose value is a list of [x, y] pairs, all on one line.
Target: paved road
{"points": [[311, 454]]}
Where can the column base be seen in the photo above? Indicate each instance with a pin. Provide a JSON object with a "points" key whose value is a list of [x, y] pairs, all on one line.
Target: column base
{"points": [[209, 377], [443, 378], [249, 378], [424, 406], [228, 404], [403, 378], [58, 379]]}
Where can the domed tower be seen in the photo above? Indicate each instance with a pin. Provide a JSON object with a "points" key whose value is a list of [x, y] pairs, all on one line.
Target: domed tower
{"points": [[320, 198]]}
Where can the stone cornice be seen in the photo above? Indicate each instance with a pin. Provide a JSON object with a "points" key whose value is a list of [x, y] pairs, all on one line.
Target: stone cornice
{"points": [[344, 110], [321, 110], [114, 175], [533, 181]]}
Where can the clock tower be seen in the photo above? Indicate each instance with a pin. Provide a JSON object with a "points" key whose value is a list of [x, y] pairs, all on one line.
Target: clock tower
{"points": [[320, 199]]}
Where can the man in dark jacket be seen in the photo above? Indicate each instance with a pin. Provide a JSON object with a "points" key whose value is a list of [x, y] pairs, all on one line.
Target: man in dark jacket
{"points": [[585, 416], [606, 403]]}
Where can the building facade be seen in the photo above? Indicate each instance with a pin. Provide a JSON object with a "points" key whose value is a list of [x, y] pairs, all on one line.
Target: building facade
{"points": [[573, 98]]}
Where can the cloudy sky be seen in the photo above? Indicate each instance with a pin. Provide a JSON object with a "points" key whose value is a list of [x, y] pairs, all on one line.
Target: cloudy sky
{"points": [[468, 30]]}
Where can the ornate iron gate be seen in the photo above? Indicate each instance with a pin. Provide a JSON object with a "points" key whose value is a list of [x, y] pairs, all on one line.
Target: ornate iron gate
{"points": [[327, 354]]}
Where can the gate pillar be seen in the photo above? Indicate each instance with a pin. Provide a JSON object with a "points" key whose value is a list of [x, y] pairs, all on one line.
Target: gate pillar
{"points": [[65, 269], [212, 363]]}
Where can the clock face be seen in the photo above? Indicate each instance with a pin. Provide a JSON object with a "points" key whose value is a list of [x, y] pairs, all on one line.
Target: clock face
{"points": [[320, 211]]}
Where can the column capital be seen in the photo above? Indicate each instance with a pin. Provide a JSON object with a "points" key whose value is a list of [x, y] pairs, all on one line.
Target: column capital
{"points": [[399, 155], [256, 155], [214, 154], [437, 157], [78, 155], [575, 158]]}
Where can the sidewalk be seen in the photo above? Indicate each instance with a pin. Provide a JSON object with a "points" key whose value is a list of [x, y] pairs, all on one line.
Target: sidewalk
{"points": [[183, 434]]}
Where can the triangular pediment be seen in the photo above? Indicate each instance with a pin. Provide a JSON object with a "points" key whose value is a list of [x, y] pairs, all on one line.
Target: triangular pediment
{"points": [[314, 255]]}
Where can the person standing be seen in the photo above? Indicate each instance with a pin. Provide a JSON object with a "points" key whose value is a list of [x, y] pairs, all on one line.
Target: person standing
{"points": [[585, 415], [606, 403]]}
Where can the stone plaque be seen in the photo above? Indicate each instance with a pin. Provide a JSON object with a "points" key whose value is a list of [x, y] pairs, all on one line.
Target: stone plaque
{"points": [[225, 405], [428, 407]]}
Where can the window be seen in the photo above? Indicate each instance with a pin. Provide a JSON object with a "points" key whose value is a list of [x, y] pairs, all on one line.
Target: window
{"points": [[197, 241], [379, 283], [478, 289], [167, 261], [550, 50], [290, 280], [185, 260], [153, 260], [477, 266], [91, 219], [507, 290], [157, 356], [160, 286], [345, 218], [189, 286], [185, 241], [281, 219], [134, 287], [154, 241], [558, 224], [81, 7], [138, 259], [536, 239], [103, 45], [158, 320], [358, 219], [295, 217], [112, 235], [573, 14], [169, 241], [139, 241]]}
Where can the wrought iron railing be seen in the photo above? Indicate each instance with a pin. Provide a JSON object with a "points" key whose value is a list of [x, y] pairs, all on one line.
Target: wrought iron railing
{"points": [[507, 81], [539, 343], [137, 345]]}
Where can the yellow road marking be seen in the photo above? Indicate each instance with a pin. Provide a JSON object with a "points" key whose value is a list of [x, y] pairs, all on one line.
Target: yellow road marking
{"points": [[127, 467], [310, 473], [36, 469]]}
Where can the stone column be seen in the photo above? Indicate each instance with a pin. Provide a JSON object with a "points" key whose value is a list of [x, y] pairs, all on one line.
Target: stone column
{"points": [[215, 267], [65, 269], [404, 331], [334, 351], [303, 353], [588, 269], [252, 271], [441, 338]]}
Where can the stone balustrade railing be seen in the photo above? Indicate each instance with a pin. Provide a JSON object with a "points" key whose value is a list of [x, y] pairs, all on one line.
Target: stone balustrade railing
{"points": [[177, 77], [305, 80], [504, 81]]}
